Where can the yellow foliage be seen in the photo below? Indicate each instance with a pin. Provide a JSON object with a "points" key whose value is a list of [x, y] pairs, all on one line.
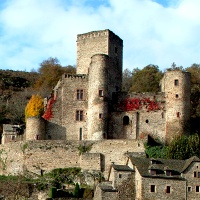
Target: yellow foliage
{"points": [[35, 107]]}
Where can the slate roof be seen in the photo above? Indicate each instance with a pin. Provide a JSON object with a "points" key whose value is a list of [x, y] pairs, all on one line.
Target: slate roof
{"points": [[107, 187], [144, 165], [121, 168], [189, 161]]}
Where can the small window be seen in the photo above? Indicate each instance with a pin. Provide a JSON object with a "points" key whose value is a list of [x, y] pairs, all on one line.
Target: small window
{"points": [[195, 174], [153, 172], [100, 116], [120, 175], [162, 115], [176, 82], [153, 188], [168, 173], [168, 189], [197, 189], [116, 50], [80, 133], [125, 120], [178, 114], [198, 174], [79, 94], [177, 96], [189, 189], [37, 137], [79, 115], [101, 93], [13, 137], [147, 121]]}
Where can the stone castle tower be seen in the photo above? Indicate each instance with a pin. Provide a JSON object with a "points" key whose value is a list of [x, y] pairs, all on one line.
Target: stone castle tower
{"points": [[176, 86], [91, 106], [99, 54]]}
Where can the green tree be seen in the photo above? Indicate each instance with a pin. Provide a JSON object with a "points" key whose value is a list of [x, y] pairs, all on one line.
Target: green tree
{"points": [[184, 147], [195, 89], [146, 79]]}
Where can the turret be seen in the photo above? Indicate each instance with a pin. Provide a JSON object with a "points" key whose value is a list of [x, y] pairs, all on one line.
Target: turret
{"points": [[35, 128], [176, 85]]}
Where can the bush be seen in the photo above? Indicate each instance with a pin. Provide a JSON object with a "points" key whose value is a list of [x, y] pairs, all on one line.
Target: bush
{"points": [[156, 151]]}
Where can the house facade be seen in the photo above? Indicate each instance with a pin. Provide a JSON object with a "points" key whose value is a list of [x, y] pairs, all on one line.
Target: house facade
{"points": [[152, 179]]}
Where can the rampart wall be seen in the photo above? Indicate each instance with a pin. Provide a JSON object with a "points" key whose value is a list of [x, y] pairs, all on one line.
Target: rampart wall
{"points": [[34, 156]]}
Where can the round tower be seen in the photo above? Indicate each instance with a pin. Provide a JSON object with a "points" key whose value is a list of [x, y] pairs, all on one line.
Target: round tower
{"points": [[98, 97], [35, 128], [176, 85]]}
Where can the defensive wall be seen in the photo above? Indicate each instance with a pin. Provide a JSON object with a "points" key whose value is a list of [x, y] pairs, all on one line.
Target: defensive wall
{"points": [[46, 155]]}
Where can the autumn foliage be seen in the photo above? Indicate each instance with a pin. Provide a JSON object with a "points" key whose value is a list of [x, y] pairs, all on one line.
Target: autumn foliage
{"points": [[48, 113], [35, 107], [131, 104]]}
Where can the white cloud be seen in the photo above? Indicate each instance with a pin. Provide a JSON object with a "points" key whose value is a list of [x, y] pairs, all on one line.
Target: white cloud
{"points": [[33, 30]]}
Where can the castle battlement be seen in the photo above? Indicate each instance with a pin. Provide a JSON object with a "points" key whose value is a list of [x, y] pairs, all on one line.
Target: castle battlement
{"points": [[96, 34], [74, 76]]}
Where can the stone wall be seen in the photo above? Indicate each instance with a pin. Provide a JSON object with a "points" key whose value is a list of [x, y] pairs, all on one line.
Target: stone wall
{"points": [[34, 156], [177, 189], [63, 125], [192, 181]]}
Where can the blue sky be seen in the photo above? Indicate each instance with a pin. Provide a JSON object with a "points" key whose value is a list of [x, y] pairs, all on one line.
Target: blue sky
{"points": [[156, 32]]}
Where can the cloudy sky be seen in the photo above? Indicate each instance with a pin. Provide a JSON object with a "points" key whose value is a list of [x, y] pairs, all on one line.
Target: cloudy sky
{"points": [[156, 32]]}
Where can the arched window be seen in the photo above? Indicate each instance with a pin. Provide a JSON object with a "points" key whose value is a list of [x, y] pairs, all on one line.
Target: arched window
{"points": [[125, 120]]}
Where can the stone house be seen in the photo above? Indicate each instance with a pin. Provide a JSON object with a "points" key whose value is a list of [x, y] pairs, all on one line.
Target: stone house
{"points": [[12, 133], [90, 105], [147, 179]]}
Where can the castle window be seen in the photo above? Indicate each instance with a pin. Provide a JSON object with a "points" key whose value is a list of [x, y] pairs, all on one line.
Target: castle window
{"points": [[162, 114], [147, 121], [168, 189], [80, 133], [197, 188], [195, 174], [120, 175], [79, 95], [125, 120], [189, 188], [79, 115], [176, 82], [101, 93], [178, 114], [116, 50], [176, 95], [152, 188], [100, 116], [37, 137]]}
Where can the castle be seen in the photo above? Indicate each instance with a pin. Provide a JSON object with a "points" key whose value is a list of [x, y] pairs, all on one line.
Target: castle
{"points": [[89, 109], [91, 106]]}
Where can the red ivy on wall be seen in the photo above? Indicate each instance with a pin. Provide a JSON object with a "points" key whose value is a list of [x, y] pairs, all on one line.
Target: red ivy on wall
{"points": [[131, 104], [48, 113]]}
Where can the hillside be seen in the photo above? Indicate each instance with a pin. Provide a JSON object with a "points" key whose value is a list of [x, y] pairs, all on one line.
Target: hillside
{"points": [[16, 88]]}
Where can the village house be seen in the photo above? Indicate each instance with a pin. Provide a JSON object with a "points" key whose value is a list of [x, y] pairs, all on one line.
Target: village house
{"points": [[152, 179]]}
